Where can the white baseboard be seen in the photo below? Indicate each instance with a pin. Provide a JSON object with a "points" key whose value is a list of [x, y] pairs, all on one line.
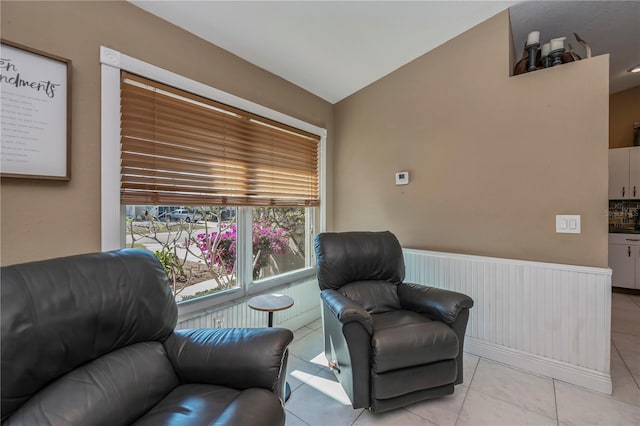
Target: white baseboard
{"points": [[573, 374]]}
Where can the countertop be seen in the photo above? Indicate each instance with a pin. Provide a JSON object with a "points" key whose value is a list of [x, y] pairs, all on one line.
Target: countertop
{"points": [[623, 231]]}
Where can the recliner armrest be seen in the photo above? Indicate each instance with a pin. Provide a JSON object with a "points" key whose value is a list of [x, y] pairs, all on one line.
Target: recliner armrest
{"points": [[435, 303], [237, 357], [346, 310]]}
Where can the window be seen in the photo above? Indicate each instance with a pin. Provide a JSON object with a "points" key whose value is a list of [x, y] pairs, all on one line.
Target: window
{"points": [[195, 245], [226, 193], [279, 240]]}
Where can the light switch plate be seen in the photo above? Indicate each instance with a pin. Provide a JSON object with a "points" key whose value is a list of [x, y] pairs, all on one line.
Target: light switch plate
{"points": [[402, 178], [568, 224]]}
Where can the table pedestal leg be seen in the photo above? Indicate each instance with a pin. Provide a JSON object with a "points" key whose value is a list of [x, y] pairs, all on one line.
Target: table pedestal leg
{"points": [[287, 389]]}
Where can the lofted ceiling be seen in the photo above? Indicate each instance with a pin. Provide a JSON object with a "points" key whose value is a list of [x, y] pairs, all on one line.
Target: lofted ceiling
{"points": [[335, 48]]}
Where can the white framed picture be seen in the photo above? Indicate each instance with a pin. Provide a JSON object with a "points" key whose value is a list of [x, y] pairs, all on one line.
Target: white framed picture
{"points": [[35, 114]]}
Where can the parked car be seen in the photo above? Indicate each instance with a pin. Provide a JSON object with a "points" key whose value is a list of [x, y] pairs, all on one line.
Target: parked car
{"points": [[181, 214], [224, 214]]}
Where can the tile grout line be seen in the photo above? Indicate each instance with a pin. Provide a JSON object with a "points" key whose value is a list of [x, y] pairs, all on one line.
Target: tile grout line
{"points": [[555, 400], [514, 404], [290, 413], [626, 334], [467, 393], [359, 415], [618, 350], [625, 364]]}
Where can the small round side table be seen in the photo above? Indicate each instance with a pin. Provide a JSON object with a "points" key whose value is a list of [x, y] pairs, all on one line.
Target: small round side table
{"points": [[271, 303]]}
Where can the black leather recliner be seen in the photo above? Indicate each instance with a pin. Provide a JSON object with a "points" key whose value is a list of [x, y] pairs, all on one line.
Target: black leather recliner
{"points": [[90, 340], [389, 343]]}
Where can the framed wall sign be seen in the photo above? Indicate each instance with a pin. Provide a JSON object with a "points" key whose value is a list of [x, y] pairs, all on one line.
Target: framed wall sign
{"points": [[35, 114]]}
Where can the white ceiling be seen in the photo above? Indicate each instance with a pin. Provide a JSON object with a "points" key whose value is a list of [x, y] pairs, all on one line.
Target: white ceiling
{"points": [[335, 48]]}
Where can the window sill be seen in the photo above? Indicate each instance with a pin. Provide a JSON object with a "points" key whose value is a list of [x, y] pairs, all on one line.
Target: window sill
{"points": [[234, 296], [279, 280]]}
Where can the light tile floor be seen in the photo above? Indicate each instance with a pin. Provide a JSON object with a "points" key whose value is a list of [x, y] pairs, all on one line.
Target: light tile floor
{"points": [[493, 394]]}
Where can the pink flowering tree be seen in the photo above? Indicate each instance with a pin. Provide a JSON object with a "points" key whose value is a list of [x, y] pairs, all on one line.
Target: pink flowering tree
{"points": [[267, 240], [220, 249]]}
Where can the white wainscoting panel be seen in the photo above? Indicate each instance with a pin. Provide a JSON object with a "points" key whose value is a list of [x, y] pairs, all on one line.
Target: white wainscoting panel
{"points": [[305, 309], [550, 319]]}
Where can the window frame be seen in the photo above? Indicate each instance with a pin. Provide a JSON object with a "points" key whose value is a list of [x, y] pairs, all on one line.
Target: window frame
{"points": [[113, 214]]}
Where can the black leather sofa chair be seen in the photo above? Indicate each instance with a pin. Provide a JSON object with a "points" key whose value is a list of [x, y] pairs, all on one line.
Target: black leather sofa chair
{"points": [[389, 343], [89, 340]]}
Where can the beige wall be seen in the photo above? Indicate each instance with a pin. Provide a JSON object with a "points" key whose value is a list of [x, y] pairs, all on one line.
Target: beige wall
{"points": [[492, 158], [481, 182], [47, 219], [624, 110]]}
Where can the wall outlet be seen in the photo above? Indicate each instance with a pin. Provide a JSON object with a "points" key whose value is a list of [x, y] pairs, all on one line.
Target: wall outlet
{"points": [[218, 322], [568, 224]]}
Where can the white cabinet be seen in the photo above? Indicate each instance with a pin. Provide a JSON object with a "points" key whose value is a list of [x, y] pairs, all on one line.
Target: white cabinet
{"points": [[618, 173], [624, 173], [624, 260], [634, 172]]}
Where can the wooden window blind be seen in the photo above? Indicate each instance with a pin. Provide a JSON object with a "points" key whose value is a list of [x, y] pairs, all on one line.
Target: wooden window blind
{"points": [[182, 149]]}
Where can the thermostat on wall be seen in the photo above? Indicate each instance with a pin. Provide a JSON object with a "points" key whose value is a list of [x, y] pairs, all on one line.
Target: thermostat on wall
{"points": [[402, 178]]}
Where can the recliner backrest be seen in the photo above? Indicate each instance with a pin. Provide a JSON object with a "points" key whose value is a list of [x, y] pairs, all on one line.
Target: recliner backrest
{"points": [[375, 297], [344, 257], [59, 314]]}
